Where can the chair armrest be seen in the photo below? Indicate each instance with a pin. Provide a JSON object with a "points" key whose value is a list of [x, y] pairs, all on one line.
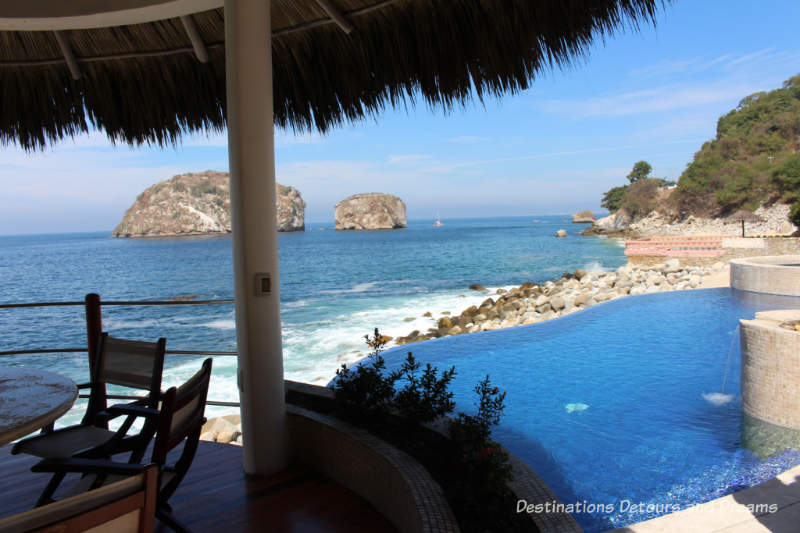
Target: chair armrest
{"points": [[87, 385], [132, 409], [87, 466]]}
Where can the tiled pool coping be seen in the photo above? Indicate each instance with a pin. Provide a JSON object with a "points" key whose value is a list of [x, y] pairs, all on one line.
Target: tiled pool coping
{"points": [[745, 511]]}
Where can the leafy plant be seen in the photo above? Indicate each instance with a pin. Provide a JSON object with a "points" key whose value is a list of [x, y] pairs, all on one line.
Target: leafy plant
{"points": [[365, 387], [424, 398], [483, 472], [472, 468]]}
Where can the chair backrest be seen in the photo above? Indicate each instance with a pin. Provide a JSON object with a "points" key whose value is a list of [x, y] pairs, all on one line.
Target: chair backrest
{"points": [[128, 363], [182, 412], [181, 420], [125, 506]]}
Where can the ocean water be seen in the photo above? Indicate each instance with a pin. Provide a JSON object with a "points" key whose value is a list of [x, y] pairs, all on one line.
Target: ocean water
{"points": [[618, 406], [335, 288]]}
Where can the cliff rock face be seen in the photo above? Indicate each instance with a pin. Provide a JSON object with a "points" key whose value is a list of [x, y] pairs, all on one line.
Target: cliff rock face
{"points": [[583, 217], [370, 211], [616, 221], [198, 204]]}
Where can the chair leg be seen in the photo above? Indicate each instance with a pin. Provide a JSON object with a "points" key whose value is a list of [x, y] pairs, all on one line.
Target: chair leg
{"points": [[164, 514], [47, 494]]}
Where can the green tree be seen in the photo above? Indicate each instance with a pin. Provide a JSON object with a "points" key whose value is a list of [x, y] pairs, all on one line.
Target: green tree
{"points": [[794, 214], [786, 177], [612, 199], [641, 170]]}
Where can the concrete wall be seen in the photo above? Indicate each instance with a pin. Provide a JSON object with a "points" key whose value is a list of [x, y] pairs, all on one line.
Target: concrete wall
{"points": [[388, 478], [771, 368], [769, 274]]}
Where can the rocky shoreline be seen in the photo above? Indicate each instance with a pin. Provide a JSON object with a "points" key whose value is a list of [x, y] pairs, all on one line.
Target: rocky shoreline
{"points": [[531, 302], [774, 222]]}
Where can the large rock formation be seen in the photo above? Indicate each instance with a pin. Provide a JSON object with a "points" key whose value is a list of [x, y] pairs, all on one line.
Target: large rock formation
{"points": [[198, 204], [583, 217], [370, 211]]}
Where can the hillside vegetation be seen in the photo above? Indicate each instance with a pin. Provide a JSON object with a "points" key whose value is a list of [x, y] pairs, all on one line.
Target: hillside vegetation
{"points": [[753, 159]]}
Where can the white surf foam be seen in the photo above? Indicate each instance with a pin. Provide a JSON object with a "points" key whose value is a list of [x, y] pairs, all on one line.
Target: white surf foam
{"points": [[595, 266], [224, 324], [313, 353]]}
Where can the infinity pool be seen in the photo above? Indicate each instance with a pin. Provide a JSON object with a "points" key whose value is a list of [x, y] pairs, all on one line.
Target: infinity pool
{"points": [[610, 405]]}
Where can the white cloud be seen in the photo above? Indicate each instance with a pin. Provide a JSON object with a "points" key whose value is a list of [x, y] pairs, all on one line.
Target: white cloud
{"points": [[660, 99]]}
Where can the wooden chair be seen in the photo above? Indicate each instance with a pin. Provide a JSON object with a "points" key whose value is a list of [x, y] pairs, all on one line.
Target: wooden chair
{"points": [[132, 364], [179, 421], [126, 506]]}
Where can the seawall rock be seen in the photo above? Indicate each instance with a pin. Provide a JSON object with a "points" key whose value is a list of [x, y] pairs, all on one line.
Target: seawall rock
{"points": [[199, 204], [370, 211]]}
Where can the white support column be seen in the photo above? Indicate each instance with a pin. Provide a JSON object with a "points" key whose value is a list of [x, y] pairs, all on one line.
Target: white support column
{"points": [[251, 153]]}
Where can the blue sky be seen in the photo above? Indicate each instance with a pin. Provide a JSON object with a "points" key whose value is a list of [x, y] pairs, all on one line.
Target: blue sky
{"points": [[654, 95]]}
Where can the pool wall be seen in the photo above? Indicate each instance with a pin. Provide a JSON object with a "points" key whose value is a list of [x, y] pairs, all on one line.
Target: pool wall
{"points": [[773, 274], [771, 368]]}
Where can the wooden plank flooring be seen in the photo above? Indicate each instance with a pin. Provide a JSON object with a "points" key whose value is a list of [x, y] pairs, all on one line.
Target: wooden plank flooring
{"points": [[217, 496]]}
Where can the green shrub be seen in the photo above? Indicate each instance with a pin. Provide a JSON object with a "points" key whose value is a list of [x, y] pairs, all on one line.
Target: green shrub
{"points": [[178, 186], [482, 472], [794, 214], [424, 398], [786, 177], [366, 388], [472, 468], [612, 199]]}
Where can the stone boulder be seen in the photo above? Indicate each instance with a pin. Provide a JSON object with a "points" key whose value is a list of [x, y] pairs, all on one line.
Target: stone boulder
{"points": [[561, 233], [199, 204], [615, 221], [584, 217], [370, 211]]}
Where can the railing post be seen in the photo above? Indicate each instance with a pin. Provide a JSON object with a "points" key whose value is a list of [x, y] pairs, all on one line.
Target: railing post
{"points": [[94, 328]]}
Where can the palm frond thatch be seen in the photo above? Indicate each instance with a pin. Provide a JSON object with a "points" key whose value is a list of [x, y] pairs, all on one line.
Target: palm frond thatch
{"points": [[745, 216], [143, 84]]}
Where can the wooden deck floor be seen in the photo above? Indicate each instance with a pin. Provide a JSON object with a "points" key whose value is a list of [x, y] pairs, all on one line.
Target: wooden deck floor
{"points": [[217, 496]]}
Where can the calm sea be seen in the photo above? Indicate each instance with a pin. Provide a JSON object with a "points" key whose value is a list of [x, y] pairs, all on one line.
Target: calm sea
{"points": [[335, 287]]}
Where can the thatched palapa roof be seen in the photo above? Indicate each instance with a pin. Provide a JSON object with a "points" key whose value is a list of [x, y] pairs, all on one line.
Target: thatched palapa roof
{"points": [[743, 215], [148, 82]]}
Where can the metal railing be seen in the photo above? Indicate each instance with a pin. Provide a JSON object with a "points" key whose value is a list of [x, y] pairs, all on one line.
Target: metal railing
{"points": [[94, 326]]}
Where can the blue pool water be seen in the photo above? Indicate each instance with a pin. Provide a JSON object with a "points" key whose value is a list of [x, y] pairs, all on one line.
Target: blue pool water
{"points": [[642, 365]]}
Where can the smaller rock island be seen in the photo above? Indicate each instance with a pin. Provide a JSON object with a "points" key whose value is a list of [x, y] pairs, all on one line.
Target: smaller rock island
{"points": [[370, 211], [583, 217]]}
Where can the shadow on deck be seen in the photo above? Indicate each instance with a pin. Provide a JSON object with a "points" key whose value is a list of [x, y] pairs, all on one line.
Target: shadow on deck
{"points": [[217, 496]]}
